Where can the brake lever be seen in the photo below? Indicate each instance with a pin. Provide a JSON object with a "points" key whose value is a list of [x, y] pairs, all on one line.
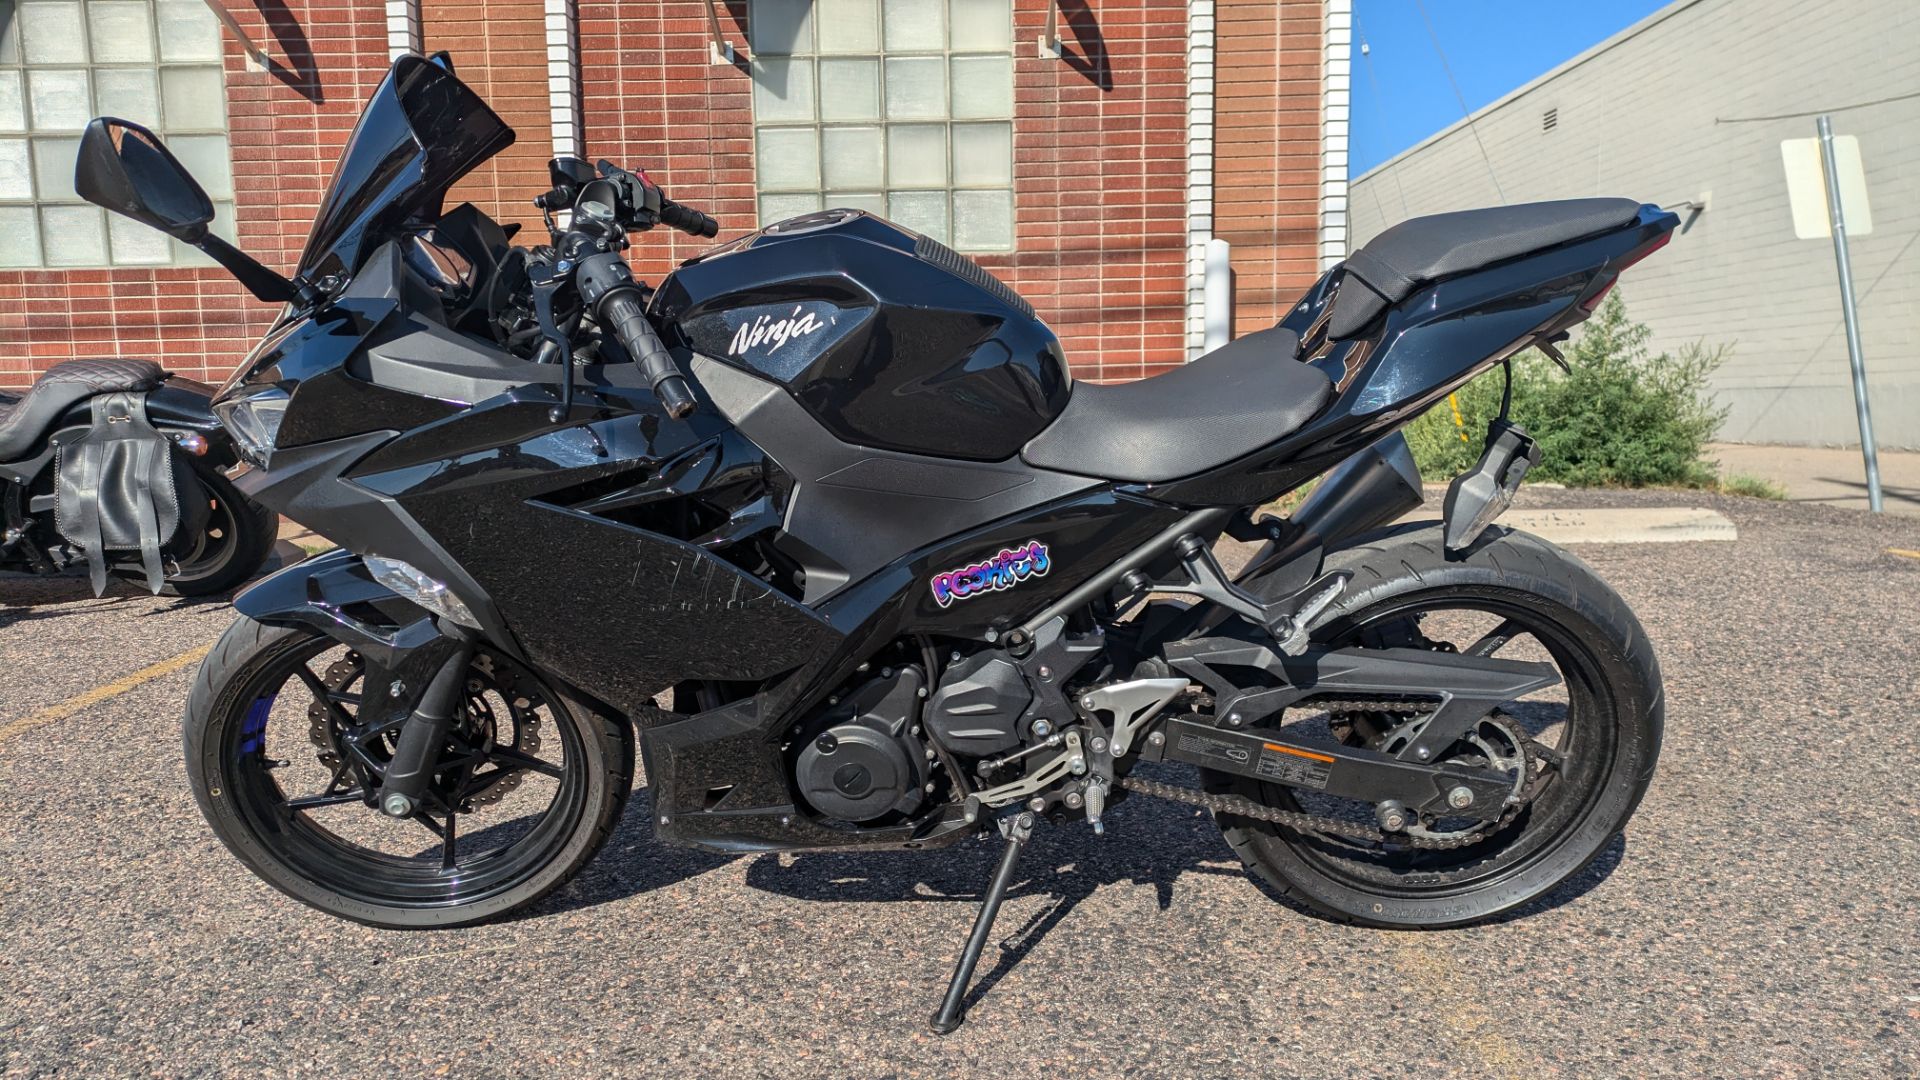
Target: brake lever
{"points": [[555, 346]]}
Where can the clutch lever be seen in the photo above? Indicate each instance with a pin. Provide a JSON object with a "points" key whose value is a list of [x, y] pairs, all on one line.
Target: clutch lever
{"points": [[555, 346]]}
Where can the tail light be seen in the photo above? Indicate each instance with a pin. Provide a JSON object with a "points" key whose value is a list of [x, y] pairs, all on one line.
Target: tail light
{"points": [[1592, 303]]}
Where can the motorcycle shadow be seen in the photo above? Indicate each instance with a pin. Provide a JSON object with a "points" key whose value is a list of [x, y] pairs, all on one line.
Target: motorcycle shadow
{"points": [[28, 598], [1147, 842]]}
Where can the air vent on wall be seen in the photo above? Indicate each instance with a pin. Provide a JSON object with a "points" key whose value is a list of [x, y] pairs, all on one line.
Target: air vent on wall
{"points": [[1549, 119]]}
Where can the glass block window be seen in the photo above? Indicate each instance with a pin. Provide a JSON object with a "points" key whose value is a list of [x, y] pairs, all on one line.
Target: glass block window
{"points": [[901, 107], [63, 62]]}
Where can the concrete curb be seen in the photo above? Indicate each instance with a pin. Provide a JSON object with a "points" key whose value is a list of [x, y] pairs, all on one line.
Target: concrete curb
{"points": [[1627, 525]]}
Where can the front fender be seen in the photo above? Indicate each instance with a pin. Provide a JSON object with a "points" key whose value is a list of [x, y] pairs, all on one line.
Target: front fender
{"points": [[335, 594]]}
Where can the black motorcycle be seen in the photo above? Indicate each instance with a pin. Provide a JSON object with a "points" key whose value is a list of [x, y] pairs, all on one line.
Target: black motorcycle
{"points": [[115, 464], [823, 530]]}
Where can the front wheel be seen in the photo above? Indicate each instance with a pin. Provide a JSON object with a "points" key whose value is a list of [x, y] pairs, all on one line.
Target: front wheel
{"points": [[530, 783], [1581, 754]]}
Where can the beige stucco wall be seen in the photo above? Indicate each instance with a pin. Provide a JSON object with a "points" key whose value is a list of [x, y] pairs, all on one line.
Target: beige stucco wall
{"points": [[1654, 115]]}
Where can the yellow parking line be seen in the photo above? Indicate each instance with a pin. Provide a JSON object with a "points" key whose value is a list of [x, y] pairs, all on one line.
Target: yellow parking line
{"points": [[1430, 968], [55, 713], [1904, 553]]}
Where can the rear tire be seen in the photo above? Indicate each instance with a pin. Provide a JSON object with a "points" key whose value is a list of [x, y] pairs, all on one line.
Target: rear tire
{"points": [[1408, 566], [214, 564]]}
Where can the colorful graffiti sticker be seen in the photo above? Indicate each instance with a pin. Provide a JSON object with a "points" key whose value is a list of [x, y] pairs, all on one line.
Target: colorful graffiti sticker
{"points": [[1003, 571]]}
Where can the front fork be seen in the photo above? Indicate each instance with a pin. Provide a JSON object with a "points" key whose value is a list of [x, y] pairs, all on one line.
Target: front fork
{"points": [[416, 751]]}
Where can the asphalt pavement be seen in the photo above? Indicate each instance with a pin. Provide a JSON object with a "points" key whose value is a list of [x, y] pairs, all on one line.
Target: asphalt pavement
{"points": [[1758, 918]]}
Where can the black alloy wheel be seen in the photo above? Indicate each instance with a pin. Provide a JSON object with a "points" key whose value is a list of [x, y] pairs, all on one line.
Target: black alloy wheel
{"points": [[1580, 754], [238, 537], [528, 787]]}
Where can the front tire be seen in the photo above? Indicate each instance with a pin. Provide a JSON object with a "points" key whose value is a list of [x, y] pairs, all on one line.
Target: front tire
{"points": [[1614, 708], [333, 850]]}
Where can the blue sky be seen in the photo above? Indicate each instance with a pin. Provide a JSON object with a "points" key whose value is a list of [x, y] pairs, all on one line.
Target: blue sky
{"points": [[1400, 91]]}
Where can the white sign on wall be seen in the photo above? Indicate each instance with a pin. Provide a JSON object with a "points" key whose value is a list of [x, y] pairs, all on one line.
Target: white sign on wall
{"points": [[1807, 187]]}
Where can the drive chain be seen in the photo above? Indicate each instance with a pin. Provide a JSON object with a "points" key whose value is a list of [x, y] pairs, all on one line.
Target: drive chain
{"points": [[1241, 806]]}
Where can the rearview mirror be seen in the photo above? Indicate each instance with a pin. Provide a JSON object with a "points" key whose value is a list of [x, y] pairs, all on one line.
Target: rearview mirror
{"points": [[125, 168]]}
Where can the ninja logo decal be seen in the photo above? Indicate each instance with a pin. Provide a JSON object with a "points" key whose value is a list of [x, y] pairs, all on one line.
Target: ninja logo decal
{"points": [[774, 332], [1003, 571]]}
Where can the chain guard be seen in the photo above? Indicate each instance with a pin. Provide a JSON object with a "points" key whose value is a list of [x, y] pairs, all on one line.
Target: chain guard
{"points": [[1526, 785]]}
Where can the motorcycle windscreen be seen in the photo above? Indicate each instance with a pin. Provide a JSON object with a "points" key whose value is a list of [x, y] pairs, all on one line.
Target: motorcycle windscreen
{"points": [[422, 131]]}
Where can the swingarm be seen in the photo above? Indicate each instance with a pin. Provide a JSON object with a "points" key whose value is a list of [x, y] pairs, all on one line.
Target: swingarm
{"points": [[1447, 694], [1455, 690]]}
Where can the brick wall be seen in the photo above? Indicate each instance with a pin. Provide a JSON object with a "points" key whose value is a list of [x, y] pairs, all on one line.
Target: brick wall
{"points": [[499, 49], [1267, 151], [287, 126], [1099, 157], [1099, 164]]}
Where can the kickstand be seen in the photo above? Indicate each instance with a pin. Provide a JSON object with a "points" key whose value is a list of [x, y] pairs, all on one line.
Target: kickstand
{"points": [[953, 1009]]}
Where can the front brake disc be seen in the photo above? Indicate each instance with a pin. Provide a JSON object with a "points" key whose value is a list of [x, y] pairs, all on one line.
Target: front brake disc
{"points": [[321, 730]]}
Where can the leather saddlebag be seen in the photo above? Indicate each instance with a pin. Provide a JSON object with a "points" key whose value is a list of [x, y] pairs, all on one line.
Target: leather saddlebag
{"points": [[117, 488]]}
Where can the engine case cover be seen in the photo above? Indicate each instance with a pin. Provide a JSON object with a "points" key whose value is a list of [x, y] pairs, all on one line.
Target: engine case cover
{"points": [[978, 705], [868, 763], [890, 339]]}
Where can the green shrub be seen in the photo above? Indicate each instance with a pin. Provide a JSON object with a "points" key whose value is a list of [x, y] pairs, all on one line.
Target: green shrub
{"points": [[1621, 417], [1754, 487]]}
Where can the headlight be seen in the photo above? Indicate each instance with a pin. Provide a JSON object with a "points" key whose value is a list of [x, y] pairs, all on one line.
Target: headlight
{"points": [[409, 582], [254, 422]]}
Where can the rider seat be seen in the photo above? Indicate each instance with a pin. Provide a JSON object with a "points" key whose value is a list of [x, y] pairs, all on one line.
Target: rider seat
{"points": [[1418, 251], [1224, 405], [63, 386]]}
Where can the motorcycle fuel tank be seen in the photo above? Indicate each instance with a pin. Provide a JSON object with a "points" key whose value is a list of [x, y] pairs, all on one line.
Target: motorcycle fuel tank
{"points": [[889, 339]]}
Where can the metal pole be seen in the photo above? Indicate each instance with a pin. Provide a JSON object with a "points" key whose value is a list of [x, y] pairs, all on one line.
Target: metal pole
{"points": [[1838, 220], [953, 1006], [1219, 294]]}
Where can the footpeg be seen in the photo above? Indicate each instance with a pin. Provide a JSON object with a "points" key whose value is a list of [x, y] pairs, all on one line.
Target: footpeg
{"points": [[1294, 632], [1097, 805]]}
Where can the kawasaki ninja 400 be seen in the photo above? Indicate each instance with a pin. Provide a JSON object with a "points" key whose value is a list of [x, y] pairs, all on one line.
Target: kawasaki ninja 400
{"points": [[821, 527]]}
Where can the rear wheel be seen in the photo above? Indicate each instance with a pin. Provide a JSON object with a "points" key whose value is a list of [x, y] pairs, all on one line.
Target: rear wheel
{"points": [[1580, 754], [529, 785], [236, 541]]}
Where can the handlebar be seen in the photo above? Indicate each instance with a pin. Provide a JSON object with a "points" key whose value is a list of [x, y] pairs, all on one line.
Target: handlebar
{"points": [[604, 208], [687, 219], [620, 312]]}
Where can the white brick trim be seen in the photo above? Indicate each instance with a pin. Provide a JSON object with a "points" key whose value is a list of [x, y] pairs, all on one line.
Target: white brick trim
{"points": [[563, 75], [403, 28], [1200, 68], [1336, 88]]}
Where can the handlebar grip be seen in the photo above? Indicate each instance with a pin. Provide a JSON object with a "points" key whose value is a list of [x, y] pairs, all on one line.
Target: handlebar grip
{"points": [[687, 219], [675, 396], [620, 311]]}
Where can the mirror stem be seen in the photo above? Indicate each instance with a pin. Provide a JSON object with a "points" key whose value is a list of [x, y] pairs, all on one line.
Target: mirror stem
{"points": [[259, 280]]}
